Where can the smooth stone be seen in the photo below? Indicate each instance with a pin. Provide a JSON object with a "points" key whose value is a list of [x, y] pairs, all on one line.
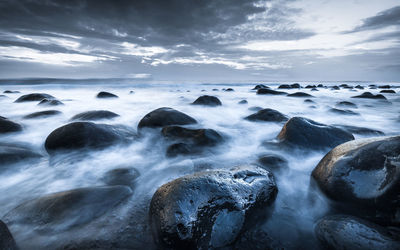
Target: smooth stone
{"points": [[34, 97], [94, 115], [369, 95], [342, 111], [359, 87], [273, 162], [267, 115], [360, 130], [11, 92], [198, 137], [270, 92], [50, 102], [346, 104], [8, 126], [121, 176], [335, 88], [42, 114], [104, 94], [260, 86], [308, 101], [243, 102], [300, 94], [255, 108], [165, 116], [207, 100], [180, 148], [310, 86], [388, 91], [229, 90], [7, 241], [12, 153], [384, 86]]}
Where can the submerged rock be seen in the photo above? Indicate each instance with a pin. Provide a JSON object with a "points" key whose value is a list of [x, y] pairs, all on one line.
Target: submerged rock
{"points": [[300, 94], [229, 90], [42, 114], [270, 92], [273, 162], [335, 88], [11, 92], [121, 176], [388, 91], [243, 102], [80, 135], [7, 241], [348, 232], [209, 209], [255, 108], [363, 176], [95, 115], [359, 87], [260, 86], [34, 97], [360, 130], [308, 134], [346, 104], [165, 116], [308, 101], [180, 148], [200, 137], [8, 126], [384, 87], [369, 95], [13, 153], [50, 102], [207, 100], [104, 94], [342, 111], [267, 115]]}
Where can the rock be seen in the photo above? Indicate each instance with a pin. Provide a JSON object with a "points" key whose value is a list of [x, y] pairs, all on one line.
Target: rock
{"points": [[209, 209], [65, 210], [363, 177], [50, 102], [180, 148], [34, 97], [215, 89], [255, 108], [7, 241], [7, 126], [314, 89], [308, 101], [369, 95], [121, 176], [229, 90], [359, 130], [359, 87], [165, 116], [284, 86], [198, 137], [342, 111], [243, 102], [308, 134], [348, 232], [42, 114], [335, 88], [295, 86], [207, 100], [320, 86], [267, 115], [11, 92], [273, 162], [269, 92], [104, 94], [384, 87], [260, 86], [310, 86], [13, 153], [300, 94], [3, 96], [94, 115], [131, 92], [80, 135], [388, 91], [346, 104]]}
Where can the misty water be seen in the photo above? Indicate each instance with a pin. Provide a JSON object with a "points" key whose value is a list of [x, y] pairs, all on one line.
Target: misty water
{"points": [[295, 212]]}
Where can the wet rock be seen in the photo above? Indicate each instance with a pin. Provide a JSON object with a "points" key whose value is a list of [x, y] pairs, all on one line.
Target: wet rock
{"points": [[295, 86], [388, 91], [310, 86], [359, 87], [3, 96], [320, 86], [345, 86], [342, 111], [314, 89], [363, 177], [11, 92], [34, 97], [94, 115], [348, 232], [42, 114], [207, 100], [180, 148], [7, 126], [243, 102], [335, 88], [215, 89], [346, 104], [198, 137], [267, 115], [229, 90], [255, 108], [80, 135], [270, 92], [300, 94], [369, 95], [308, 134], [50, 102], [308, 101], [273, 162], [104, 94], [284, 86], [165, 116], [65, 210], [209, 209], [121, 176], [260, 86], [384, 87], [12, 153], [131, 92], [7, 241], [360, 130]]}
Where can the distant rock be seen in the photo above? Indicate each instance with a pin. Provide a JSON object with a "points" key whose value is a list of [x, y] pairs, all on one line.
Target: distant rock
{"points": [[308, 101], [207, 100], [104, 94], [369, 95], [11, 92], [94, 115], [42, 114], [165, 116], [260, 86], [255, 108], [269, 92], [284, 86], [243, 102], [8, 126], [310, 86], [342, 111], [346, 104], [388, 91], [359, 87], [267, 115], [384, 86], [34, 97], [50, 102], [300, 94], [314, 89], [229, 90], [7, 241], [335, 88], [210, 209]]}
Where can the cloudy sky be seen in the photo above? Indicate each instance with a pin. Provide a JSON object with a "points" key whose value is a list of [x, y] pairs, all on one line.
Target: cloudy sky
{"points": [[201, 40]]}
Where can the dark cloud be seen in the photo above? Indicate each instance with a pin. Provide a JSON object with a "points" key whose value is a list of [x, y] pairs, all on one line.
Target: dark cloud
{"points": [[383, 19]]}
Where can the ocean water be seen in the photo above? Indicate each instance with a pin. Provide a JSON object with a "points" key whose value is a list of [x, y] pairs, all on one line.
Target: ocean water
{"points": [[295, 212]]}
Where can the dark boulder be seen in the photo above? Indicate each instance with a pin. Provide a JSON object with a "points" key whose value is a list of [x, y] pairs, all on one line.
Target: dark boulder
{"points": [[308, 134], [270, 92], [273, 162], [65, 210], [11, 92], [363, 177], [94, 115], [255, 108], [284, 86], [207, 100], [243, 102], [210, 209], [260, 86], [308, 101], [310, 86], [300, 94], [369, 95], [320, 86], [267, 115], [348, 232], [34, 97], [50, 102], [7, 241], [346, 104], [104, 94], [121, 176], [314, 89], [80, 135], [295, 86], [42, 114], [359, 87], [360, 130], [7, 126], [342, 111], [388, 91], [180, 148], [13, 153], [229, 90], [198, 137], [165, 116], [384, 87], [335, 88]]}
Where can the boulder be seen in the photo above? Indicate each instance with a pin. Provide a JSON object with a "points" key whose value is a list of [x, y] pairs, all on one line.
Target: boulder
{"points": [[267, 115], [363, 177], [310, 86], [284, 86], [180, 148], [314, 89], [359, 87], [13, 153], [270, 92], [80, 135], [7, 241], [388, 91], [198, 137], [210, 209], [104, 94], [34, 97], [243, 102], [121, 176], [346, 104], [335, 88], [11, 92], [260, 86], [348, 232], [342, 111], [163, 117], [7, 126], [50, 102], [295, 86], [229, 90], [42, 114], [360, 130], [369, 95], [94, 115], [384, 87], [300, 94], [207, 100], [308, 134], [273, 162], [308, 101]]}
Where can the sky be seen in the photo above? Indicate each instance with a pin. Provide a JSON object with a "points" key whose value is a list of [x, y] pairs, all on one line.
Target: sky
{"points": [[201, 40]]}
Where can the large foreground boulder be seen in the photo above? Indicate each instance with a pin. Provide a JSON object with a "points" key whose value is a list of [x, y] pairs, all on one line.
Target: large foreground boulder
{"points": [[65, 210], [34, 97], [7, 126], [94, 115], [165, 116], [267, 115], [80, 135], [207, 100], [348, 232], [308, 134], [7, 241], [363, 176], [209, 209]]}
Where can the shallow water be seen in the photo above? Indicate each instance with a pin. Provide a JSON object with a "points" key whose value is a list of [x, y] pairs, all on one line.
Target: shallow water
{"points": [[294, 214]]}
